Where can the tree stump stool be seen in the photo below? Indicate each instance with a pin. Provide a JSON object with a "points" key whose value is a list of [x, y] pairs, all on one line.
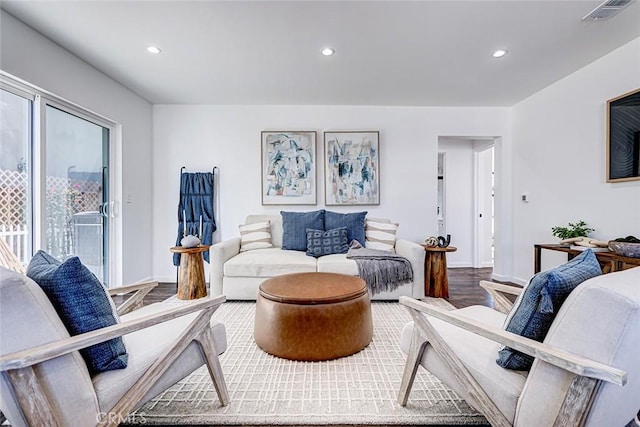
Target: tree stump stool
{"points": [[191, 281], [436, 281]]}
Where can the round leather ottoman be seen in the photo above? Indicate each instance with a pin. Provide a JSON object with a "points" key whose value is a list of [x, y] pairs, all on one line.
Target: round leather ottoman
{"points": [[313, 316]]}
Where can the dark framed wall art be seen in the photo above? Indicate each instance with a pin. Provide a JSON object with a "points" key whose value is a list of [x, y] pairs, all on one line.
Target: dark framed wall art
{"points": [[623, 137]]}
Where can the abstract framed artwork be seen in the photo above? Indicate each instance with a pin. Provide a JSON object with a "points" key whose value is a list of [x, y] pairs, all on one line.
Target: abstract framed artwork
{"points": [[289, 168], [623, 137], [352, 168]]}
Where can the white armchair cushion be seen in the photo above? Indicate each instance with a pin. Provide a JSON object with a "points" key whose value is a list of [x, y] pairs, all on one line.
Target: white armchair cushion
{"points": [[24, 305], [144, 346], [603, 310], [478, 354]]}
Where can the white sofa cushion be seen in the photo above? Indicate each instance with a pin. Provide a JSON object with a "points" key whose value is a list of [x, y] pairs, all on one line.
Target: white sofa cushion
{"points": [[337, 263], [478, 354], [275, 223], [380, 235], [269, 262], [255, 236]]}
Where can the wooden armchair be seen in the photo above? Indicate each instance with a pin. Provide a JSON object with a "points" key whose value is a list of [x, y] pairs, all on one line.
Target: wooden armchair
{"points": [[46, 382], [585, 372], [8, 259]]}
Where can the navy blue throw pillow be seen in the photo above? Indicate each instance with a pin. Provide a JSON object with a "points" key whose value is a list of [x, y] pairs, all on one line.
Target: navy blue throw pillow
{"points": [[83, 305], [294, 228], [354, 221], [538, 304], [329, 242]]}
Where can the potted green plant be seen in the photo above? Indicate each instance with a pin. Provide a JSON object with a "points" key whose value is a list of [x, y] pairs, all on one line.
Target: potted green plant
{"points": [[578, 229]]}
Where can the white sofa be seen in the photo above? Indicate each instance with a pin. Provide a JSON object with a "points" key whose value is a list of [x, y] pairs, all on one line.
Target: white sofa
{"points": [[237, 275]]}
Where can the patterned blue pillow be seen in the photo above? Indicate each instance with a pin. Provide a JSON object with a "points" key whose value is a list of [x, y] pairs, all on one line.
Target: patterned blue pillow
{"points": [[329, 242], [354, 221], [538, 304], [294, 228], [83, 305]]}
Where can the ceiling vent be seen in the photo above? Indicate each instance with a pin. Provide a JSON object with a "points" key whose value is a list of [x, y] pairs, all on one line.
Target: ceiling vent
{"points": [[607, 10]]}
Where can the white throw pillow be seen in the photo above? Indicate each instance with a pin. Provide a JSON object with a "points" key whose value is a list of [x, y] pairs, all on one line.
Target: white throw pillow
{"points": [[380, 235], [255, 236]]}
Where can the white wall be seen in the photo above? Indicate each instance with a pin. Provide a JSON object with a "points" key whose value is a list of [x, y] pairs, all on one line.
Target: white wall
{"points": [[201, 136], [29, 56], [559, 159]]}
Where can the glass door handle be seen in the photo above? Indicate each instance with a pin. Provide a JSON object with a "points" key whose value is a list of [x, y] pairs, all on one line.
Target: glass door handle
{"points": [[104, 209]]}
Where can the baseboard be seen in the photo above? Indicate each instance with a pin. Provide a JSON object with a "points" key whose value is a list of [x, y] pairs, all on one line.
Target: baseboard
{"points": [[165, 279], [143, 280], [511, 279], [459, 265]]}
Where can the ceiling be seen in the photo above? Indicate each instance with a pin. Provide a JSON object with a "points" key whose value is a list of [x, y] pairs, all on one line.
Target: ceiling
{"points": [[434, 53]]}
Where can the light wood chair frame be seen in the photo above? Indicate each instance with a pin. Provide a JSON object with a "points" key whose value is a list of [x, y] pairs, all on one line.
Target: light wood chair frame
{"points": [[20, 368], [135, 301], [8, 259], [588, 373]]}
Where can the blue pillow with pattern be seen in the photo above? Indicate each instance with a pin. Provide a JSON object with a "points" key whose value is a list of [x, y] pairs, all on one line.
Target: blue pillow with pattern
{"points": [[354, 221], [294, 228], [320, 242], [83, 305], [536, 307]]}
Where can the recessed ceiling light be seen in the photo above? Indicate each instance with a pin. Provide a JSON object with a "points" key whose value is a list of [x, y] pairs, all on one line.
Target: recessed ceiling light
{"points": [[499, 53], [153, 49], [327, 51]]}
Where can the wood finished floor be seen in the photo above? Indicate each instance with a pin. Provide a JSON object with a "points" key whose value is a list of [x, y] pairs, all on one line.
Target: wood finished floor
{"points": [[463, 288]]}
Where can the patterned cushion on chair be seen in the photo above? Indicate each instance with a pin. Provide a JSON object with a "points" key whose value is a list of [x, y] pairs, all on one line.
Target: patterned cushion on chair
{"points": [[329, 242], [536, 307], [83, 305]]}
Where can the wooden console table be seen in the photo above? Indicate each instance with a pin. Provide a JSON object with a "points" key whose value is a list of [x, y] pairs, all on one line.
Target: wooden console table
{"points": [[609, 261], [191, 282], [436, 281]]}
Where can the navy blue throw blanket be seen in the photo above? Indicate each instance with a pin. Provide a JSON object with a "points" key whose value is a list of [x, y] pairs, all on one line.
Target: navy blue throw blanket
{"points": [[196, 198]]}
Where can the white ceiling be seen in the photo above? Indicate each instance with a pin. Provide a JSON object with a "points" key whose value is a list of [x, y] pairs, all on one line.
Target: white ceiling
{"points": [[387, 52]]}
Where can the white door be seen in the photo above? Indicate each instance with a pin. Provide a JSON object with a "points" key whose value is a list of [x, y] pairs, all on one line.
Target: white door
{"points": [[484, 162]]}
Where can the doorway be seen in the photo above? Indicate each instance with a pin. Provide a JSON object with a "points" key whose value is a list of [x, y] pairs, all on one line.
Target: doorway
{"points": [[465, 198]]}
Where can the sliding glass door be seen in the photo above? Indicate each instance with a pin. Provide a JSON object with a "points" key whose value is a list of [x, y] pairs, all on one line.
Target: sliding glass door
{"points": [[77, 197], [55, 187]]}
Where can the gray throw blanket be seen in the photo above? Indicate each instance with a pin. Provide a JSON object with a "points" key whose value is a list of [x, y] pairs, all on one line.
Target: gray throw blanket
{"points": [[381, 270]]}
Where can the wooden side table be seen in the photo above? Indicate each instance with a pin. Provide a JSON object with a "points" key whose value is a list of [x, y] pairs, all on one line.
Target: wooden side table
{"points": [[191, 282], [436, 281]]}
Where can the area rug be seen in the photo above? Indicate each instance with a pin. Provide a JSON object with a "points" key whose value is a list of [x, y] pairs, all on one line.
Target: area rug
{"points": [[359, 389]]}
